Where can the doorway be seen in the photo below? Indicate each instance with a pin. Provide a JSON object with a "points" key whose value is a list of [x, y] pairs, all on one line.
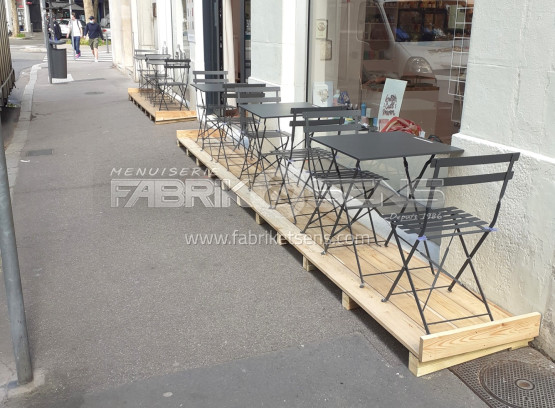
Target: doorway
{"points": [[227, 37]]}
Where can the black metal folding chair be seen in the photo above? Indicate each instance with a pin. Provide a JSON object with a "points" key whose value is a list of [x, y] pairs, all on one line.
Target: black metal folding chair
{"points": [[210, 104], [236, 123], [154, 73], [342, 189], [175, 82], [139, 64], [450, 223], [257, 132], [298, 151]]}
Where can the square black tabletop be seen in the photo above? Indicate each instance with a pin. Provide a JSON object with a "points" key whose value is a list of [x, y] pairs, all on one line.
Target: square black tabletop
{"points": [[217, 87], [274, 110], [386, 145]]}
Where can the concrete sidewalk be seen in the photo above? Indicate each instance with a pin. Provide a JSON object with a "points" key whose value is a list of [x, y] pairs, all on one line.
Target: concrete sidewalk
{"points": [[122, 312]]}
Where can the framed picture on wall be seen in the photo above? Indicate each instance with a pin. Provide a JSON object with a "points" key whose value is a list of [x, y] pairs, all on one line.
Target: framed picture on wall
{"points": [[321, 29]]}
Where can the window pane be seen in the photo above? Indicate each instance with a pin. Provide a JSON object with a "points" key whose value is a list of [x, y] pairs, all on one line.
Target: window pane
{"points": [[355, 46]]}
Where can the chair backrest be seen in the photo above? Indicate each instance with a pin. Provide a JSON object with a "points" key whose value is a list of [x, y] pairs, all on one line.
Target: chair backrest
{"points": [[258, 94], [178, 69], [334, 120], [144, 51], [231, 89], [210, 77], [156, 59], [479, 176], [299, 121]]}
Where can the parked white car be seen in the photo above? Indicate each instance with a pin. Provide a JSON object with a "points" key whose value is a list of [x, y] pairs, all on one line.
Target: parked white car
{"points": [[64, 26], [106, 32]]}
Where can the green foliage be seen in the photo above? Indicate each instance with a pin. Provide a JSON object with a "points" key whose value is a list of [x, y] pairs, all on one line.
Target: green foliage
{"points": [[85, 41]]}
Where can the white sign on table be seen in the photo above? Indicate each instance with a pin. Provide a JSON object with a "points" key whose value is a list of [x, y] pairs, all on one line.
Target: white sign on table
{"points": [[392, 99]]}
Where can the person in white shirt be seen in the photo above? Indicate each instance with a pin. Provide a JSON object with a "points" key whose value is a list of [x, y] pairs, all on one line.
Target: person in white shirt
{"points": [[76, 31]]}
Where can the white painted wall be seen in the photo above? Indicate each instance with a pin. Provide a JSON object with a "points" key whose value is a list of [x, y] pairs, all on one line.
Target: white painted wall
{"points": [[510, 106], [164, 26], [8, 6], [279, 45], [132, 27]]}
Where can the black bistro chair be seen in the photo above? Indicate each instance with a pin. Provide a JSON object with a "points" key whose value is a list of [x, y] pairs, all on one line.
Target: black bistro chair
{"points": [[153, 74], [209, 105], [236, 124], [139, 64], [450, 223], [174, 84], [297, 152], [340, 189]]}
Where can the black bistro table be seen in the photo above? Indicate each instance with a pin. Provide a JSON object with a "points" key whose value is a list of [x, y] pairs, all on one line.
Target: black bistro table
{"points": [[265, 111], [374, 146]]}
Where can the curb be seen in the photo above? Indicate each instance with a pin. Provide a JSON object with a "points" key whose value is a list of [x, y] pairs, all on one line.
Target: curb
{"points": [[21, 132]]}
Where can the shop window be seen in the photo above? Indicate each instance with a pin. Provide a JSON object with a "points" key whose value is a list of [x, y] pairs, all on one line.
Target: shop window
{"points": [[372, 40]]}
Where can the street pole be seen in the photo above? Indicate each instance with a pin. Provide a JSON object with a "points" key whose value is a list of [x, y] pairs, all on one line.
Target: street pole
{"points": [[46, 42], [12, 278]]}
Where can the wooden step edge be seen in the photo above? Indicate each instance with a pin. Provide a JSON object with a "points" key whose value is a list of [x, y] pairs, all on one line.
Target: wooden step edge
{"points": [[174, 115], [419, 368], [481, 336]]}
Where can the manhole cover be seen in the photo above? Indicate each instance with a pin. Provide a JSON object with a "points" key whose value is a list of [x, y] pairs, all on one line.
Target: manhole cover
{"points": [[519, 384], [94, 93], [43, 152], [511, 379]]}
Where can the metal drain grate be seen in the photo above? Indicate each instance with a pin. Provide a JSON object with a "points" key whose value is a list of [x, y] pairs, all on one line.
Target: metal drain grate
{"points": [[94, 93], [42, 152], [517, 379]]}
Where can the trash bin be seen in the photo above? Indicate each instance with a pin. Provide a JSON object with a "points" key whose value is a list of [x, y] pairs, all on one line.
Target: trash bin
{"points": [[59, 60]]}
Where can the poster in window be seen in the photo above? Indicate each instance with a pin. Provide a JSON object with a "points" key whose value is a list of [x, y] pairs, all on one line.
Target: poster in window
{"points": [[392, 99]]}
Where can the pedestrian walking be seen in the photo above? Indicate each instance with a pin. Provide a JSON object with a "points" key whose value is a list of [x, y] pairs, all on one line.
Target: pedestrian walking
{"points": [[94, 32], [76, 31], [54, 29]]}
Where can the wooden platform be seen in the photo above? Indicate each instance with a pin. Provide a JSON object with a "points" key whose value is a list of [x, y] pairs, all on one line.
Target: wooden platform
{"points": [[451, 343], [171, 115]]}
